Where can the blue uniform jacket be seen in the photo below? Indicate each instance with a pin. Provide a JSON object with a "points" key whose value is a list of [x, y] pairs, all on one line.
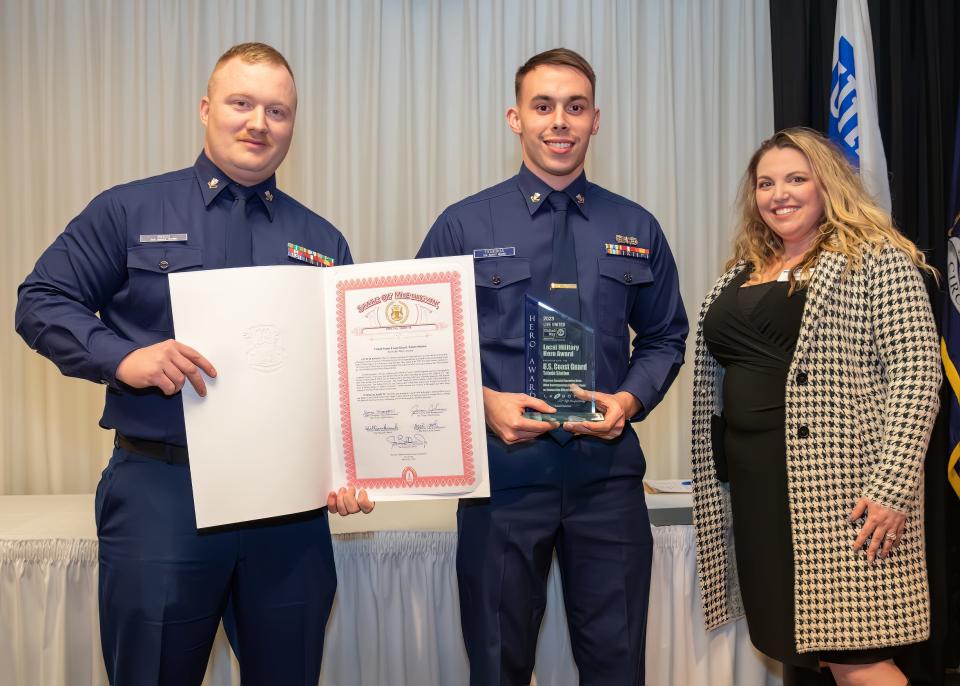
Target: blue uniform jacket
{"points": [[109, 261], [512, 222]]}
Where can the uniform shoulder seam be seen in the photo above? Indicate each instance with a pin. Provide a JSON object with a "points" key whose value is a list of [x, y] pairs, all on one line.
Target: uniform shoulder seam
{"points": [[501, 189], [617, 199], [168, 177]]}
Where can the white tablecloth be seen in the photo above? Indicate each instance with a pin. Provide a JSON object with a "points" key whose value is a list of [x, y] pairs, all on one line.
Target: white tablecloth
{"points": [[395, 622]]}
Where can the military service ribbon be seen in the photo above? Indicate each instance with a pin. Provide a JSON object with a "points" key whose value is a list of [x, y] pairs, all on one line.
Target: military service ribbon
{"points": [[298, 252], [627, 250]]}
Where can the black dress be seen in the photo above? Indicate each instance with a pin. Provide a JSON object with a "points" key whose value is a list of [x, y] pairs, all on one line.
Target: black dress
{"points": [[752, 333]]}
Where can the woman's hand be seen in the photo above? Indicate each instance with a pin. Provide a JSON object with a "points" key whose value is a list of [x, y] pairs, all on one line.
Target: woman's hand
{"points": [[884, 525]]}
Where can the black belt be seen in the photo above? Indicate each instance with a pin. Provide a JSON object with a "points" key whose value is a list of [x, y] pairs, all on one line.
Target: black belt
{"points": [[165, 452]]}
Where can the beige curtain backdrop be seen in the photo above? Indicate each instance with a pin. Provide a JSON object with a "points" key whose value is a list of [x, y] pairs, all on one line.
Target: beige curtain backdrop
{"points": [[401, 113]]}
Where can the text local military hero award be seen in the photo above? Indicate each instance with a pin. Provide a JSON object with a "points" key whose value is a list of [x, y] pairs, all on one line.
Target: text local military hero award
{"points": [[559, 354]]}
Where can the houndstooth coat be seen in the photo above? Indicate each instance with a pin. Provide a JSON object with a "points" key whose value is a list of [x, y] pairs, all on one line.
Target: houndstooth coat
{"points": [[858, 426]]}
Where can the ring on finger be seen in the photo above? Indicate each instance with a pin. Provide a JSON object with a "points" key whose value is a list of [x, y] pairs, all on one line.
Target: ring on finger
{"points": [[890, 536]]}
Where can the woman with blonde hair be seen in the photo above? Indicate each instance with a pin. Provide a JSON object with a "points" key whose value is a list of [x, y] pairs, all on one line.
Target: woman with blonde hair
{"points": [[815, 390]]}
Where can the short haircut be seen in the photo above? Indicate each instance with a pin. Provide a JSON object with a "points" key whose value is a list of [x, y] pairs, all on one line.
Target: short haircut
{"points": [[252, 53], [559, 57]]}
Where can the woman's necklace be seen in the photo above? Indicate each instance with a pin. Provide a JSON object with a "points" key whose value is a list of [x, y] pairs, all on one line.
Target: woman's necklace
{"points": [[779, 270]]}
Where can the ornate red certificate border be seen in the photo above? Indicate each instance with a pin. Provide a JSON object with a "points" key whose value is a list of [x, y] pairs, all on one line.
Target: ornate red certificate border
{"points": [[407, 477]]}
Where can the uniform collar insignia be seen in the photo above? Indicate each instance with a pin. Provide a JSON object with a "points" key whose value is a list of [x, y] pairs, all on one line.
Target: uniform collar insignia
{"points": [[535, 191], [213, 181]]}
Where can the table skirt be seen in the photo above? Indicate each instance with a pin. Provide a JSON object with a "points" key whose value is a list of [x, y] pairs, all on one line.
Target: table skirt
{"points": [[396, 619]]}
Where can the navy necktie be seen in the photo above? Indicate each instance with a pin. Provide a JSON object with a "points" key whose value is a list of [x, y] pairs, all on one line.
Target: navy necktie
{"points": [[239, 231], [564, 294]]}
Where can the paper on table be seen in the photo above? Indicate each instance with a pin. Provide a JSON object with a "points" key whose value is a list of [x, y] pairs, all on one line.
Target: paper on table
{"points": [[668, 485]]}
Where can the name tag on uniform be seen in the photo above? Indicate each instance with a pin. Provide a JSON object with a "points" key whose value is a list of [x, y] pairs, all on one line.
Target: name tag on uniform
{"points": [[483, 253], [298, 252], [162, 237]]}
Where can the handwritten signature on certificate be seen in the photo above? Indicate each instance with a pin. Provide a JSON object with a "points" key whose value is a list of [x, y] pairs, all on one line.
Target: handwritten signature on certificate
{"points": [[379, 414], [407, 441], [428, 427], [380, 428], [432, 410]]}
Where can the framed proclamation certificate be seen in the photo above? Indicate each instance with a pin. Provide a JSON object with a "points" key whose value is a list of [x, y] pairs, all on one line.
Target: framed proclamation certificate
{"points": [[403, 387], [363, 375]]}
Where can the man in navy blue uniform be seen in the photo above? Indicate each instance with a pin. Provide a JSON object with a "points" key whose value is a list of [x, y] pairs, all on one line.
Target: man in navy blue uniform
{"points": [[163, 585], [577, 488]]}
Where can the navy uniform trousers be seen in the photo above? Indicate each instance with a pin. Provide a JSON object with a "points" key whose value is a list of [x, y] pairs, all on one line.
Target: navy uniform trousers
{"points": [[600, 530], [164, 585]]}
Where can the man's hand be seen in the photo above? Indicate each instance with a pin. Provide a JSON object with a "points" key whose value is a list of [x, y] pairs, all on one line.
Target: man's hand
{"points": [[616, 408], [504, 414], [347, 501], [167, 365]]}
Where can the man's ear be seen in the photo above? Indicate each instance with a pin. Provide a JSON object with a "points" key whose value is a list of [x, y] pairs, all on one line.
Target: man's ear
{"points": [[596, 121], [513, 119], [204, 109]]}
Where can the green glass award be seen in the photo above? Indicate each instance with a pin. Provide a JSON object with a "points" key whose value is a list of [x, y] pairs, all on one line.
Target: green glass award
{"points": [[559, 353]]}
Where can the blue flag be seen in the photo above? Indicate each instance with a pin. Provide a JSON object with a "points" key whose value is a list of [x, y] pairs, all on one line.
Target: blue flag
{"points": [[854, 123], [950, 341]]}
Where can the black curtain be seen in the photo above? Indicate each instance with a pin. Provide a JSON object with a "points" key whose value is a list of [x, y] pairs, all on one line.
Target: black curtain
{"points": [[916, 56]]}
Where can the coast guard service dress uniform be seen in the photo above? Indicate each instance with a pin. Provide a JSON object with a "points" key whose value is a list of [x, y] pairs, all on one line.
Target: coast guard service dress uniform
{"points": [[582, 497], [163, 586]]}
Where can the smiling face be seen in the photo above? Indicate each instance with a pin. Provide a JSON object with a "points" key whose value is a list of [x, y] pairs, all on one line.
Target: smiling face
{"points": [[248, 113], [788, 198], [554, 117]]}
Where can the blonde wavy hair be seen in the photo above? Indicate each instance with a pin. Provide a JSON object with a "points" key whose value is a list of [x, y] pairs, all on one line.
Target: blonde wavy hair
{"points": [[852, 223]]}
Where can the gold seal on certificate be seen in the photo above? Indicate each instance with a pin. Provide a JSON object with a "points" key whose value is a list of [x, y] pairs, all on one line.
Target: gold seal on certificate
{"points": [[559, 354]]}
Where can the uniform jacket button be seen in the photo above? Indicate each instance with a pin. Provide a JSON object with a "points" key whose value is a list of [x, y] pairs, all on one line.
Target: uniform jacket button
{"points": [[802, 378], [628, 277], [496, 281], [803, 432], [163, 264]]}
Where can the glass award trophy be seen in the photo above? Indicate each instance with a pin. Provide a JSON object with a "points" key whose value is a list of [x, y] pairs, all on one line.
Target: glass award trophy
{"points": [[559, 353]]}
